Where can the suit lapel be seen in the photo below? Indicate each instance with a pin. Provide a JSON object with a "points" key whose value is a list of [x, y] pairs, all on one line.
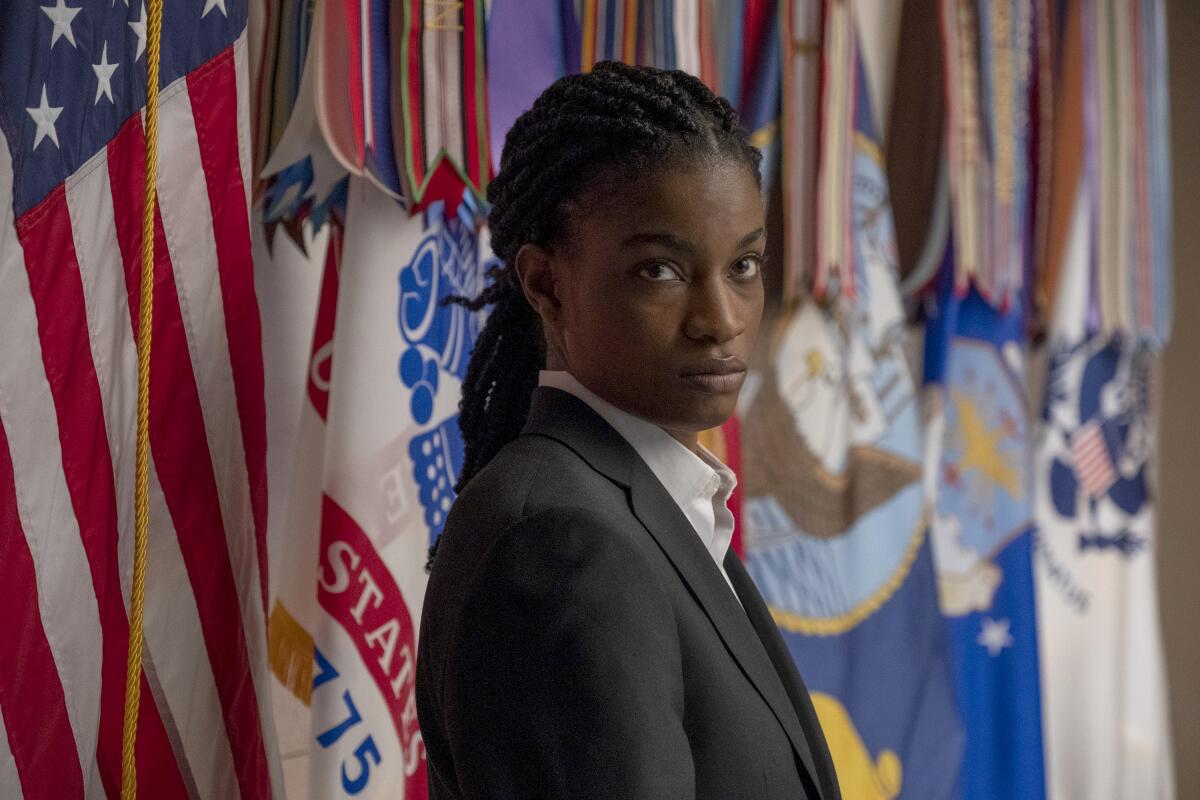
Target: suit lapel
{"points": [[563, 417], [656, 509], [785, 667]]}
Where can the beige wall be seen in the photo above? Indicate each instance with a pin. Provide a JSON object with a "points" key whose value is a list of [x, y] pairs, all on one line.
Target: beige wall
{"points": [[1179, 523]]}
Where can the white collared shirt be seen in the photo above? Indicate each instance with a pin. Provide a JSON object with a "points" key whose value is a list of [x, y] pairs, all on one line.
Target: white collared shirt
{"points": [[699, 484]]}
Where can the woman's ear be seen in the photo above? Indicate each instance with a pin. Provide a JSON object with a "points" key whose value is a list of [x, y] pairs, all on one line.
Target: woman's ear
{"points": [[539, 281]]}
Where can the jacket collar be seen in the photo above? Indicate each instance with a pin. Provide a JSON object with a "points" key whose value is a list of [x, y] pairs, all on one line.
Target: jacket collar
{"points": [[567, 419], [564, 417]]}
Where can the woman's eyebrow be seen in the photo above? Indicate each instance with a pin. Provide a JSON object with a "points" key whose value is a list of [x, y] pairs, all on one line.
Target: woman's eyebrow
{"points": [[679, 244], [751, 237], [668, 240]]}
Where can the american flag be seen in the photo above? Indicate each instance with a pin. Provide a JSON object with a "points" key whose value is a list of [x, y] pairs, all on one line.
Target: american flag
{"points": [[72, 90]]}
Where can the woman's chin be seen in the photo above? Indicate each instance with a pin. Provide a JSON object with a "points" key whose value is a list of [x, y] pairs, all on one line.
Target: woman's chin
{"points": [[701, 415]]}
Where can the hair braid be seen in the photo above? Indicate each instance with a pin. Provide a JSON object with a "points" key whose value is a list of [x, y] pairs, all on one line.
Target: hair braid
{"points": [[614, 118]]}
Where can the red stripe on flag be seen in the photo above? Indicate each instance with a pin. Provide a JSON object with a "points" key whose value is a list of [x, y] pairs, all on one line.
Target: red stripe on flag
{"points": [[57, 289], [184, 467], [213, 91], [31, 695]]}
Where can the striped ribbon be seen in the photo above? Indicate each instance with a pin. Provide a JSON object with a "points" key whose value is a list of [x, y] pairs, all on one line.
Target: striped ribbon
{"points": [[988, 63], [1128, 178], [609, 32], [1007, 55], [800, 31], [443, 104], [834, 265], [669, 34]]}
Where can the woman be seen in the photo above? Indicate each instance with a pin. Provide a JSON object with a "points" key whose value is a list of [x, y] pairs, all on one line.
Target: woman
{"points": [[587, 632]]}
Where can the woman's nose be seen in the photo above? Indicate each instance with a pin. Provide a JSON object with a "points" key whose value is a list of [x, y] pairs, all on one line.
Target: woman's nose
{"points": [[714, 311]]}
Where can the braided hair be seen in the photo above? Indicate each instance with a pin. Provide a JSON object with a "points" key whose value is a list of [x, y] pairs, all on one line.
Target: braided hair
{"points": [[615, 121]]}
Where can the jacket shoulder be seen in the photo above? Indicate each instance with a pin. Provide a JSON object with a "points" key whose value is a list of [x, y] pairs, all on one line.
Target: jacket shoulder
{"points": [[531, 474]]}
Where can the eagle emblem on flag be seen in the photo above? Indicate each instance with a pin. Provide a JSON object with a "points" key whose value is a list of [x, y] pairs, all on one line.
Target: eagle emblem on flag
{"points": [[1097, 447], [983, 496], [438, 339], [833, 417]]}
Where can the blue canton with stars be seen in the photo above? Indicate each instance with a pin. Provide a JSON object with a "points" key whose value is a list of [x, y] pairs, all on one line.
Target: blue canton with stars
{"points": [[73, 71]]}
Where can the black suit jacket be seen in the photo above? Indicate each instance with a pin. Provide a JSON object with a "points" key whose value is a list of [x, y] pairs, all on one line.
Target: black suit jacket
{"points": [[577, 640]]}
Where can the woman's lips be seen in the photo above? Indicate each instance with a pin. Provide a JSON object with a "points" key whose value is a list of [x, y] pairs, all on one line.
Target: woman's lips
{"points": [[715, 382], [716, 375]]}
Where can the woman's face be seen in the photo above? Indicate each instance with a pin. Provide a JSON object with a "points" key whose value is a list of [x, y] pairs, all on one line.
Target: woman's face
{"points": [[658, 294]]}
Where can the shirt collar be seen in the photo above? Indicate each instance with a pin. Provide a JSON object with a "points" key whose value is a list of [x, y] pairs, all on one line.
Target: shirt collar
{"points": [[685, 475]]}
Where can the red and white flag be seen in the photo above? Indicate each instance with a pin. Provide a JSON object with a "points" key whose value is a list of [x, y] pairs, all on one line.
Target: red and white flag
{"points": [[72, 88]]}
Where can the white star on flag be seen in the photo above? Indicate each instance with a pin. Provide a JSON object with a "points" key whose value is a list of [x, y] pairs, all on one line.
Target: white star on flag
{"points": [[61, 15], [209, 5], [104, 71], [994, 635], [44, 116], [139, 28]]}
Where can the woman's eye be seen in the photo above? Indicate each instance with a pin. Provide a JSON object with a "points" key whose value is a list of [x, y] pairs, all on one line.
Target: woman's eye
{"points": [[658, 271], [747, 266]]}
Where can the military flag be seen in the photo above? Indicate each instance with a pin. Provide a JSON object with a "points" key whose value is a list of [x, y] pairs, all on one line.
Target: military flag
{"points": [[978, 457], [380, 424], [1103, 682], [299, 291], [978, 454], [1102, 663], [836, 518]]}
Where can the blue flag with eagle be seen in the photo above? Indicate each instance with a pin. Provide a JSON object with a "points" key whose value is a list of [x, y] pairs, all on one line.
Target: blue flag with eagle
{"points": [[836, 518]]}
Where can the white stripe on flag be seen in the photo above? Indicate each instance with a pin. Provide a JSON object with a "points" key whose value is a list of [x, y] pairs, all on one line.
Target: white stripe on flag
{"points": [[10, 781], [102, 274], [176, 643], [243, 117], [187, 221], [174, 640], [66, 597]]}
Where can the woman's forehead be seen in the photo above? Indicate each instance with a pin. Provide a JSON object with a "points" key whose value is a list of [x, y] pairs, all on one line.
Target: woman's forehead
{"points": [[716, 200]]}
